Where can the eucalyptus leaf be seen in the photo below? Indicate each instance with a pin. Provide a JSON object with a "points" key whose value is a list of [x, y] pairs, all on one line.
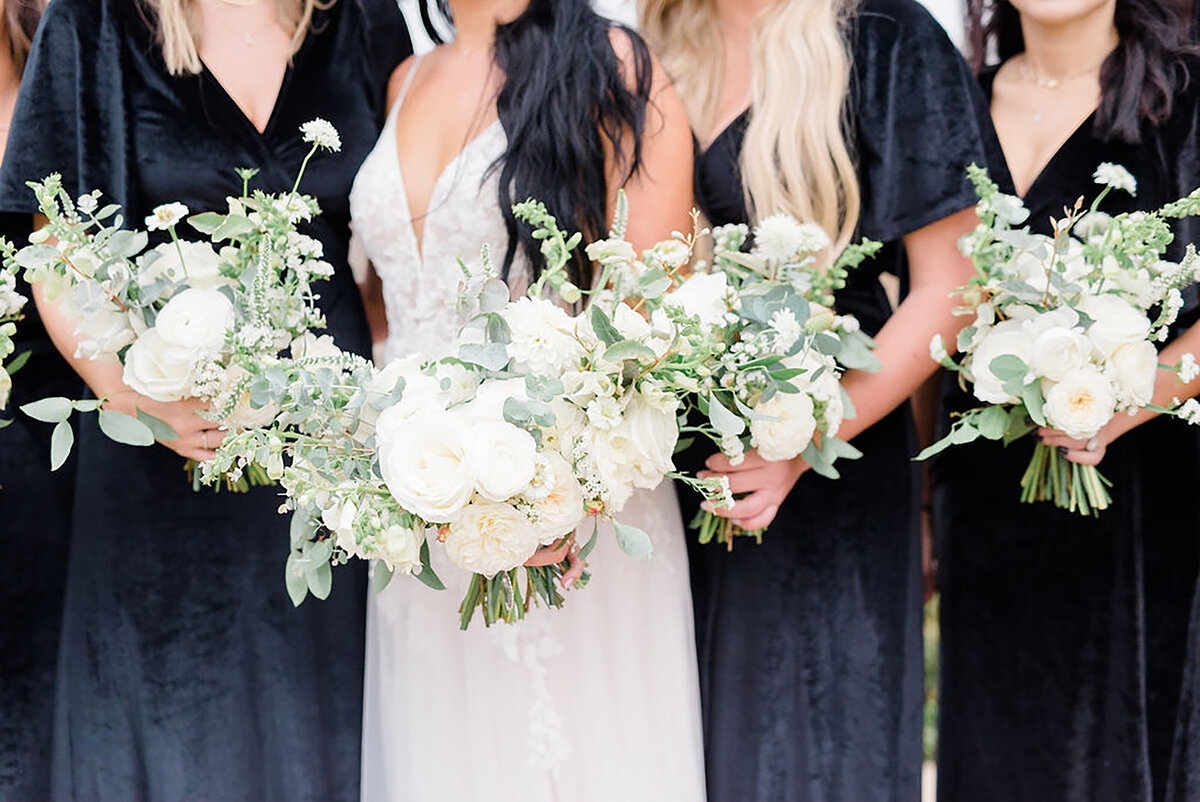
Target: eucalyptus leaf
{"points": [[627, 349], [301, 528], [159, 427], [856, 353], [427, 574], [125, 429], [381, 576], [48, 410], [491, 356], [820, 460], [320, 580], [206, 222], [6, 422], [603, 327], [17, 362], [722, 419], [494, 295], [586, 551], [61, 440], [296, 579], [127, 244], [991, 422], [633, 541], [1035, 402], [827, 344]]}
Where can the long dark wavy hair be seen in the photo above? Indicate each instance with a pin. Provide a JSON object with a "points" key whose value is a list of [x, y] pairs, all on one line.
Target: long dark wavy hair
{"points": [[21, 19], [565, 99], [1140, 78]]}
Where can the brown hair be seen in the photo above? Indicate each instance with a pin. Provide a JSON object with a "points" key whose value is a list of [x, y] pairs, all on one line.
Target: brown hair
{"points": [[21, 19]]}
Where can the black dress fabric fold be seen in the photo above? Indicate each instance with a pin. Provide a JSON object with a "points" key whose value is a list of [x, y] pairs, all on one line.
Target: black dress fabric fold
{"points": [[810, 644], [1064, 639], [184, 671]]}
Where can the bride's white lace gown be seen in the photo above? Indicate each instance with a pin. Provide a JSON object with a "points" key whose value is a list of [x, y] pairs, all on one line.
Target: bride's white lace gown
{"points": [[596, 702]]}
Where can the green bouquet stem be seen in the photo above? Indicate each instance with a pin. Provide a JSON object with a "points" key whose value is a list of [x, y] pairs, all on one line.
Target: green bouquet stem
{"points": [[253, 476], [1071, 486], [500, 598], [723, 530]]}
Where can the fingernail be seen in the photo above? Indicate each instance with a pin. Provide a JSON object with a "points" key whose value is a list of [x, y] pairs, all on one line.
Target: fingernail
{"points": [[1062, 450]]}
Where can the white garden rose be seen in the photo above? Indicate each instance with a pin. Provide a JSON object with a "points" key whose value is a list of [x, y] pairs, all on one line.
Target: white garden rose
{"points": [[1057, 351], [502, 458], [702, 295], [561, 510], [652, 431], [1114, 322], [488, 404], [159, 370], [243, 415], [199, 265], [542, 337], [1006, 338], [196, 319], [102, 334], [421, 391], [1081, 403], [791, 429], [489, 538], [1134, 368], [423, 460], [400, 548]]}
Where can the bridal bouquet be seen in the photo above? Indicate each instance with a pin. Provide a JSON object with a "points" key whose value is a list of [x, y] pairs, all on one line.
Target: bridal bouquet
{"points": [[538, 420], [11, 303], [1065, 328], [774, 384], [191, 317]]}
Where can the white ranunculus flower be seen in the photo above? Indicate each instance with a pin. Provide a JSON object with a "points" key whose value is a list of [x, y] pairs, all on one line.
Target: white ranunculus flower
{"points": [[502, 458], [1058, 351], [653, 432], [1134, 368], [791, 431], [1114, 322], [423, 460], [1081, 403], [400, 548], [159, 370], [196, 319], [488, 404], [1004, 338], [489, 538], [200, 265], [702, 295], [561, 510], [543, 337], [103, 334], [420, 394]]}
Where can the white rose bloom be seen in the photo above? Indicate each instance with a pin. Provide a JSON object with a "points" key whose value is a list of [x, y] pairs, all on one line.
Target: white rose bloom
{"points": [[791, 431], [1081, 403], [1114, 322], [200, 265], [159, 370], [543, 337], [196, 319], [421, 391], [102, 334], [1134, 368], [702, 295], [653, 432], [400, 548], [488, 404], [502, 458], [1004, 338], [489, 538], [1058, 351], [423, 461], [561, 510]]}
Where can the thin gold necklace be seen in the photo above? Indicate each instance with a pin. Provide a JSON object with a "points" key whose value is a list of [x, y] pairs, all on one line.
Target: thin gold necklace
{"points": [[1031, 76]]}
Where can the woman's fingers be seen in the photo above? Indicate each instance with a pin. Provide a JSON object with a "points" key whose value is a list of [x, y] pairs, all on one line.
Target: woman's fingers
{"points": [[760, 521]]}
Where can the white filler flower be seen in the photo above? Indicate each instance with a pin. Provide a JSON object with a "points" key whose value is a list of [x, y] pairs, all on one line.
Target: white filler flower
{"points": [[1188, 369], [321, 133], [781, 237], [1115, 176], [166, 216]]}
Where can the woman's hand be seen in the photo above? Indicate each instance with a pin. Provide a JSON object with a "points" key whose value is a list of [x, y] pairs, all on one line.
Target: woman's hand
{"points": [[553, 555], [1084, 452], [767, 483], [197, 437]]}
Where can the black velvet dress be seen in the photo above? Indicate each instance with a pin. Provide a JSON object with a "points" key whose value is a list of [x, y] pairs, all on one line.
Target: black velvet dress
{"points": [[1064, 638], [35, 520], [185, 673], [810, 644]]}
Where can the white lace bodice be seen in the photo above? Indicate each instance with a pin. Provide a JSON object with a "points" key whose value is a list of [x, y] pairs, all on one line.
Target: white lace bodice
{"points": [[420, 280]]}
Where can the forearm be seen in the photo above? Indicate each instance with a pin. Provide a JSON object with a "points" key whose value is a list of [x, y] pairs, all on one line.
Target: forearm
{"points": [[903, 350]]}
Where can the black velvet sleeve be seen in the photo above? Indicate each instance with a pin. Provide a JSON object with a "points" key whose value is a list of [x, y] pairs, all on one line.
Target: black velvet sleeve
{"points": [[387, 41], [69, 117], [919, 118]]}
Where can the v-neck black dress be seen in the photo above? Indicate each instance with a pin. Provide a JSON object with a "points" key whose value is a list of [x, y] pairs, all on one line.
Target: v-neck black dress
{"points": [[35, 519], [185, 673], [1064, 639], [810, 644]]}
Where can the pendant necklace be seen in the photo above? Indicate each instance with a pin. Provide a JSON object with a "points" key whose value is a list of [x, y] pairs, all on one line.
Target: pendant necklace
{"points": [[1052, 84]]}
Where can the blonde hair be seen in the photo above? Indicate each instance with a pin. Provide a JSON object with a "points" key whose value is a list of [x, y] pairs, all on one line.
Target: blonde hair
{"points": [[795, 157], [177, 21]]}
